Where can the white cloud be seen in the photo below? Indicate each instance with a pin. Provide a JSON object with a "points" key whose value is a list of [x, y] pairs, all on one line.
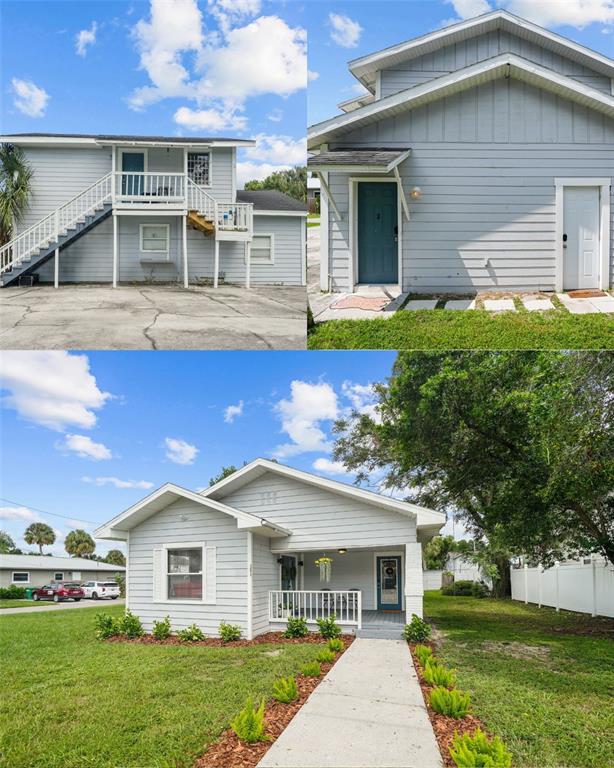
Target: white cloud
{"points": [[232, 411], [275, 115], [228, 13], [301, 417], [248, 171], [29, 98], [547, 13], [330, 467], [362, 397], [279, 150], [209, 119], [85, 37], [85, 448], [180, 452], [18, 513], [53, 389], [467, 9], [344, 31], [311, 75], [100, 481]]}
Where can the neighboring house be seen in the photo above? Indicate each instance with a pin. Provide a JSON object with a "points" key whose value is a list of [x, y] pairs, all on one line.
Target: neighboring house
{"points": [[313, 193], [38, 570], [460, 568], [244, 551], [481, 159], [110, 209]]}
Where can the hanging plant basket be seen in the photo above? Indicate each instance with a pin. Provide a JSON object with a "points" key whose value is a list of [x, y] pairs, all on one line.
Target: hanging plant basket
{"points": [[325, 564]]}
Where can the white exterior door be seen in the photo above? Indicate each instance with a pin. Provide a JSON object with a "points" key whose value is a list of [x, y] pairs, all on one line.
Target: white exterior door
{"points": [[581, 246]]}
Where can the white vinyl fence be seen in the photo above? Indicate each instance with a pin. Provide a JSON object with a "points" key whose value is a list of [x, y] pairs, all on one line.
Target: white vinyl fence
{"points": [[586, 586], [432, 579]]}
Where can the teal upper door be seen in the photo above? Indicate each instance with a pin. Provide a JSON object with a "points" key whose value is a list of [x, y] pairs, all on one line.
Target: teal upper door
{"points": [[133, 162], [378, 255]]}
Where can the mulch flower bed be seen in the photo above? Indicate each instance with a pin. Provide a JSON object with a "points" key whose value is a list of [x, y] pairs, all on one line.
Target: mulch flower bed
{"points": [[268, 638], [229, 751], [444, 727]]}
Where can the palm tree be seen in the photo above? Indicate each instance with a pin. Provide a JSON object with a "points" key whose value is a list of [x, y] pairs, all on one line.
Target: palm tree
{"points": [[40, 534], [79, 543], [15, 188]]}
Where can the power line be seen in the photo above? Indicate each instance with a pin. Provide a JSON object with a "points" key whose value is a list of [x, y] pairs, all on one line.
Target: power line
{"points": [[43, 512]]}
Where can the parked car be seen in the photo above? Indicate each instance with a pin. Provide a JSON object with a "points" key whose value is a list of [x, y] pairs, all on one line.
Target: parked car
{"points": [[99, 589], [58, 591]]}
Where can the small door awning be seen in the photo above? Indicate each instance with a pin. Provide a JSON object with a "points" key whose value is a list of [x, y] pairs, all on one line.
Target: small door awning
{"points": [[375, 160]]}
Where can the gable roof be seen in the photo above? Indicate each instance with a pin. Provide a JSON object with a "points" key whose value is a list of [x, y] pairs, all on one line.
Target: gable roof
{"points": [[102, 139], [503, 65], [270, 200], [46, 563], [258, 467], [118, 527], [365, 67]]}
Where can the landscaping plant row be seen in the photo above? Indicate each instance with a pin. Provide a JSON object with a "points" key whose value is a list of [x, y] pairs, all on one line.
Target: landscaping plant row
{"points": [[471, 748]]}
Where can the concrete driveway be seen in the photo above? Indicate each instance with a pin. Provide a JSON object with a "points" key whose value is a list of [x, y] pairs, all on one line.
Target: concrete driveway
{"points": [[153, 317], [45, 606]]}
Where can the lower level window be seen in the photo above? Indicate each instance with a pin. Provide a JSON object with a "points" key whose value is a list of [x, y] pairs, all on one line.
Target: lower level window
{"points": [[58, 576], [263, 249], [185, 574], [21, 577], [155, 238]]}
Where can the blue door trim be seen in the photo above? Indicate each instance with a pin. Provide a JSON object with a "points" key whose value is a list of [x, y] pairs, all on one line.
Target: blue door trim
{"points": [[389, 606]]}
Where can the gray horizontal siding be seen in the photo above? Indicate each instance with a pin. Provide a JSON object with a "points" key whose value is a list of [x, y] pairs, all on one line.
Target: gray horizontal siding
{"points": [[265, 578], [320, 518], [451, 58], [182, 522]]}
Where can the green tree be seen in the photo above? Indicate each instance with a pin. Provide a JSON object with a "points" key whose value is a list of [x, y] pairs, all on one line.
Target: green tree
{"points": [[40, 534], [292, 182], [115, 557], [6, 543], [15, 188], [79, 543], [519, 444], [436, 552]]}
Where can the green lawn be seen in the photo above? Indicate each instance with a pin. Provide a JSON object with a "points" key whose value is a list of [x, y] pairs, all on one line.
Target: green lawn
{"points": [[535, 680], [71, 701], [20, 603], [475, 329]]}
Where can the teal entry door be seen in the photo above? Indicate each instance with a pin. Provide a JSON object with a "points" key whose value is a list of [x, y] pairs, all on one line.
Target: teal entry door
{"points": [[378, 255], [133, 162]]}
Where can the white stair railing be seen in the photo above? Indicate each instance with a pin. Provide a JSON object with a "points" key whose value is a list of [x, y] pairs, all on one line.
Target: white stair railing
{"points": [[200, 201], [49, 229], [226, 216]]}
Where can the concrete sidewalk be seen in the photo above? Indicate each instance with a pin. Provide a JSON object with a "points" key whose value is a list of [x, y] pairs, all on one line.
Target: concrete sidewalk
{"points": [[49, 606], [368, 712]]}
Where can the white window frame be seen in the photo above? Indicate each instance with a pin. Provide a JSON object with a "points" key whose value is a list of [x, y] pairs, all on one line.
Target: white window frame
{"points": [[159, 255], [76, 575], [185, 545], [61, 576], [134, 151], [20, 582], [203, 152], [271, 260]]}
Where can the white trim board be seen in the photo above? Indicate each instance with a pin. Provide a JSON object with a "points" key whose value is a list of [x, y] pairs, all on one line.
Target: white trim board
{"points": [[134, 151], [604, 185]]}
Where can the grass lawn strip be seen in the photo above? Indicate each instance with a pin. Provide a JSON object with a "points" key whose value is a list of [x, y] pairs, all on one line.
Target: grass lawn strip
{"points": [[123, 704], [22, 603], [542, 681], [474, 329]]}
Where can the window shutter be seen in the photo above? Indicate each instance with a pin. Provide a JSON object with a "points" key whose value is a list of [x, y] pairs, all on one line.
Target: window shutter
{"points": [[158, 575], [210, 575]]}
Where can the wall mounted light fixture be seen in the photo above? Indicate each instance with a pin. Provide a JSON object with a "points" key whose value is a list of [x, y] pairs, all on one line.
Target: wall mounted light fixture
{"points": [[416, 193], [342, 551]]}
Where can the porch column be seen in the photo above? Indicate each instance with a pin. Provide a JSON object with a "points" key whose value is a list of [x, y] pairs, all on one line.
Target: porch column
{"points": [[56, 268], [248, 259], [115, 249], [216, 262], [414, 585], [184, 240]]}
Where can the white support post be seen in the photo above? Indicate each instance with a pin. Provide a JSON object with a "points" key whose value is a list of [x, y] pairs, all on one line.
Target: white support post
{"points": [[184, 240], [115, 249], [526, 584], [250, 585], [113, 174], [414, 580], [56, 269], [248, 263], [359, 608], [216, 262], [329, 196], [402, 192]]}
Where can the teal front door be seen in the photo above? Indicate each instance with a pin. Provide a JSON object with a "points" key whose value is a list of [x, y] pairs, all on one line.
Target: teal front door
{"points": [[389, 583], [378, 255], [133, 163]]}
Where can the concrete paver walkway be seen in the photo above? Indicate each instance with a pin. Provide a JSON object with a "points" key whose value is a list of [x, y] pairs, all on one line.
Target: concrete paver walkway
{"points": [[368, 712], [48, 606]]}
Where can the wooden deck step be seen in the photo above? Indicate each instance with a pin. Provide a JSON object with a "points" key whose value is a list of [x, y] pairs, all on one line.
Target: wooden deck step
{"points": [[196, 221]]}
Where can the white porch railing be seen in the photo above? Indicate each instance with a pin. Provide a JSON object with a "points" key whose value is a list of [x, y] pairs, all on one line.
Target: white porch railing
{"points": [[313, 605], [140, 188]]}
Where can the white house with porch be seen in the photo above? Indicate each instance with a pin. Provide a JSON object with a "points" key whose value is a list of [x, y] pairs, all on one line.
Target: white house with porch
{"points": [[112, 209], [269, 542]]}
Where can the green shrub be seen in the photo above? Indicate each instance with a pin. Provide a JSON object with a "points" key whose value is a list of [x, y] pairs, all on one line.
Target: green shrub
{"points": [[12, 593], [190, 634], [325, 656], [466, 588], [477, 752], [285, 690], [130, 625], [335, 645], [437, 674], [249, 723], [418, 630], [452, 703], [423, 652], [328, 627], [297, 627], [312, 669], [229, 632], [479, 589], [106, 626], [162, 629]]}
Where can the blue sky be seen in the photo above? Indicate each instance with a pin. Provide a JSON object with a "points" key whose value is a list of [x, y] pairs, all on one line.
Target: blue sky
{"points": [[341, 31], [79, 427], [191, 67]]}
